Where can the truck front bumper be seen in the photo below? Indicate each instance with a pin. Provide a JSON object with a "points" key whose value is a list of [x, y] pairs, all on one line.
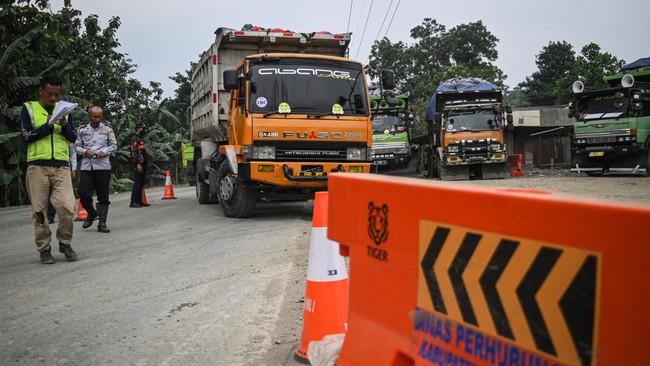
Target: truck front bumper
{"points": [[297, 174], [622, 158]]}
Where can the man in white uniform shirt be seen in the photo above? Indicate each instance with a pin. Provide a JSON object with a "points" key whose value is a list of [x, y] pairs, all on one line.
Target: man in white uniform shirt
{"points": [[96, 142]]}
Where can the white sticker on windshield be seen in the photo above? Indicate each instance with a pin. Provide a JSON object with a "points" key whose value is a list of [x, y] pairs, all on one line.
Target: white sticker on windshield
{"points": [[261, 102], [450, 127]]}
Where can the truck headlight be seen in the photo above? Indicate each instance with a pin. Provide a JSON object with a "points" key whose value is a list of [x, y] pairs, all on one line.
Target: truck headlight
{"points": [[356, 153], [401, 150], [453, 149], [264, 152]]}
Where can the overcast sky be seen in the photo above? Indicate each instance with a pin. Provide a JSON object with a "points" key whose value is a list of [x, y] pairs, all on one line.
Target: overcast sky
{"points": [[164, 36]]}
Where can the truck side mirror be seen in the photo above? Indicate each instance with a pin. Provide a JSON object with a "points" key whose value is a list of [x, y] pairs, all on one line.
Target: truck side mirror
{"points": [[388, 79], [230, 81], [438, 117], [509, 109]]}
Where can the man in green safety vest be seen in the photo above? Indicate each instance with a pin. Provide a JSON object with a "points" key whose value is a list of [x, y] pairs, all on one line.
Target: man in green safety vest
{"points": [[48, 171]]}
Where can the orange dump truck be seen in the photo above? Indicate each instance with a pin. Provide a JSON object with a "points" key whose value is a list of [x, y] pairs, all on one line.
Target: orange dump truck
{"points": [[274, 113], [467, 121]]}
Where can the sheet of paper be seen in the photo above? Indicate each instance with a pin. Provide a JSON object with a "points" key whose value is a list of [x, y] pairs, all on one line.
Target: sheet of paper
{"points": [[61, 110]]}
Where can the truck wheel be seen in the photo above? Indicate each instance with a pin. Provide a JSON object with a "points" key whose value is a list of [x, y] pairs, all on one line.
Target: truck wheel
{"points": [[202, 189], [235, 199]]}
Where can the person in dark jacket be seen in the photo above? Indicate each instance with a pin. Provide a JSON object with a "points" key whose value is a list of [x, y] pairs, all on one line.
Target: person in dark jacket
{"points": [[139, 160]]}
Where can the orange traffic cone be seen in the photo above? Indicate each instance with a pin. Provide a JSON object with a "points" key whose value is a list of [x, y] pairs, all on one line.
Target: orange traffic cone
{"points": [[326, 295], [169, 188], [144, 197], [81, 213]]}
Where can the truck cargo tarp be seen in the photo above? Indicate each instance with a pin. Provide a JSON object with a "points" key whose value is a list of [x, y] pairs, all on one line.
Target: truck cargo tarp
{"points": [[456, 84], [642, 63]]}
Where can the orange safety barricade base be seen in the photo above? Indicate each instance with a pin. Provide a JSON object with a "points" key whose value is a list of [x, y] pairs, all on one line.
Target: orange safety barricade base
{"points": [[453, 275]]}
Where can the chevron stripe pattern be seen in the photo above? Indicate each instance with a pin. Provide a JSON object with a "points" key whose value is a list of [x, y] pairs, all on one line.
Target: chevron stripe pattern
{"points": [[541, 296]]}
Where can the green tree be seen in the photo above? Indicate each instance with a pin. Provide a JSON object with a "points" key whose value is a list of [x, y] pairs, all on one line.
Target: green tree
{"points": [[559, 67], [34, 40], [593, 65], [436, 55], [555, 62]]}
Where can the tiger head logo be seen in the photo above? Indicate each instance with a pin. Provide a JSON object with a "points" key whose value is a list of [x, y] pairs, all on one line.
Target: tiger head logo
{"points": [[378, 223]]}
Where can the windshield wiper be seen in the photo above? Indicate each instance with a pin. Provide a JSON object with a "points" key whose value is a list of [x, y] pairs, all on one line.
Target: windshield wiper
{"points": [[272, 113]]}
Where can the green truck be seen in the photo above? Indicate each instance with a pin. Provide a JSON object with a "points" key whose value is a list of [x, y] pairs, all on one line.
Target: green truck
{"points": [[391, 121], [612, 125]]}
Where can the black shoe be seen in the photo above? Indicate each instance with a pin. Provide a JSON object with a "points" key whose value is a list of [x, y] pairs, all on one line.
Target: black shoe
{"points": [[88, 222], [46, 257], [69, 253], [145, 204], [135, 205]]}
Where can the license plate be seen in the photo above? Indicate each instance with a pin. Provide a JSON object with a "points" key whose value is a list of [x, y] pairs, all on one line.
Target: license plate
{"points": [[312, 174], [596, 153]]}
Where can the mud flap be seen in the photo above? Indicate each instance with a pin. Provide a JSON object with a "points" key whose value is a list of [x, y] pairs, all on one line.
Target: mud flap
{"points": [[495, 171], [454, 172]]}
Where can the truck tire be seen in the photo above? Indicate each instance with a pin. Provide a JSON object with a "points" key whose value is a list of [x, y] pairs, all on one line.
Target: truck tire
{"points": [[202, 189], [235, 199]]}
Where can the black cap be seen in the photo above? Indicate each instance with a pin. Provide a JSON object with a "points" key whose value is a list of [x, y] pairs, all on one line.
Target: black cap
{"points": [[140, 124]]}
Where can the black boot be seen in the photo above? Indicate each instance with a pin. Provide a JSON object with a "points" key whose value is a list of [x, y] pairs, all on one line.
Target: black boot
{"points": [[102, 210], [67, 250], [92, 215]]}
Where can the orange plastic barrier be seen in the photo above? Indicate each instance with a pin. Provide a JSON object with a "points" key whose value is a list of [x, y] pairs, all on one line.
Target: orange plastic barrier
{"points": [[442, 274], [81, 213], [169, 188], [516, 169], [326, 294]]}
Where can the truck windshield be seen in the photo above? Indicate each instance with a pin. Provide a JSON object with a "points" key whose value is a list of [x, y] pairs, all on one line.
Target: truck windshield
{"points": [[383, 122], [307, 86], [602, 106], [471, 121]]}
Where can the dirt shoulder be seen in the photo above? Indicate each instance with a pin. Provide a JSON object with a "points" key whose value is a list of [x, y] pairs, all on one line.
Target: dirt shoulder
{"points": [[619, 189]]}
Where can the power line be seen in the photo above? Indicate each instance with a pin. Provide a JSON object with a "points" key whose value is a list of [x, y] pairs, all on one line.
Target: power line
{"points": [[350, 15], [393, 17], [384, 21], [363, 7], [364, 28]]}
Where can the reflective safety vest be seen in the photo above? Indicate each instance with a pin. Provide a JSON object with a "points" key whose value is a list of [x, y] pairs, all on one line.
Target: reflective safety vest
{"points": [[53, 148]]}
